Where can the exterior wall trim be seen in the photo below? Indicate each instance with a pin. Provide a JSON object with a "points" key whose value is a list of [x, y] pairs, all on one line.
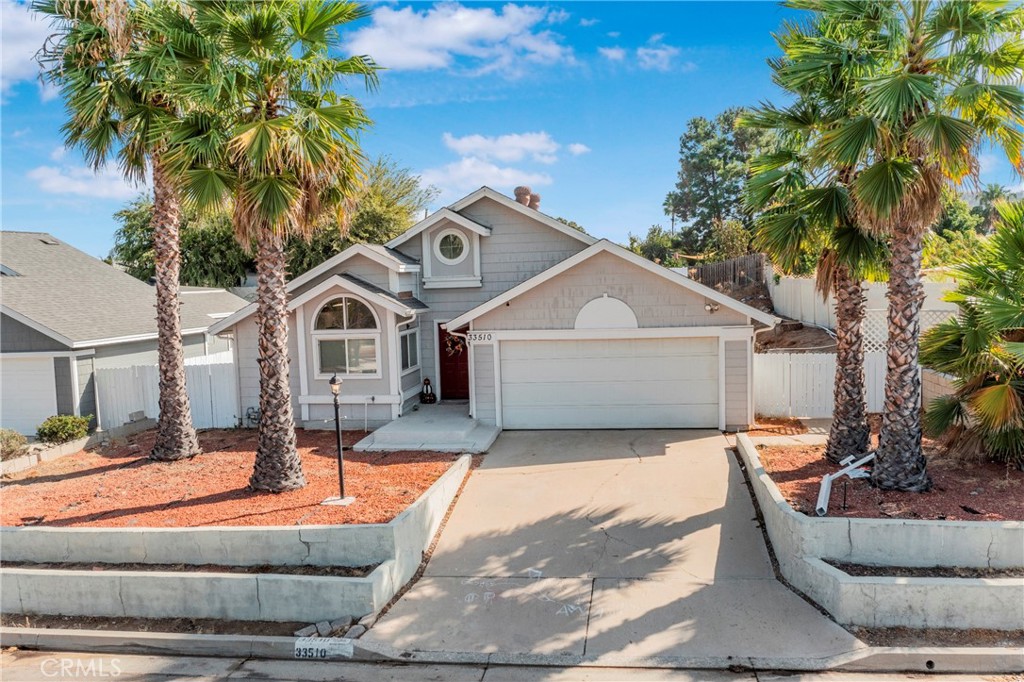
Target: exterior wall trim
{"points": [[432, 220], [730, 333], [32, 324]]}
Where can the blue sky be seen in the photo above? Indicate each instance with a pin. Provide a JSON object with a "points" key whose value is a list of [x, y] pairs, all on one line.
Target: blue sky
{"points": [[583, 101]]}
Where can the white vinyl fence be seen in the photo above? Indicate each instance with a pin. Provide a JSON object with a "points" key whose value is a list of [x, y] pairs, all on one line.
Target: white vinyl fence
{"points": [[800, 384], [124, 391]]}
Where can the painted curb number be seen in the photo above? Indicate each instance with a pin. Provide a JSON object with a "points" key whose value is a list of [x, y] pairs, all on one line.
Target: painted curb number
{"points": [[322, 648]]}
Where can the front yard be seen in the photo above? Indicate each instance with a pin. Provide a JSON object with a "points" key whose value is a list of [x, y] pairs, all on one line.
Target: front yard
{"points": [[119, 487]]}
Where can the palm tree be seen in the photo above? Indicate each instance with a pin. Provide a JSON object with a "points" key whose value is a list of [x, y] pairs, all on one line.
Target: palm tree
{"points": [[944, 78], [983, 347], [991, 195], [276, 142], [803, 207], [115, 109]]}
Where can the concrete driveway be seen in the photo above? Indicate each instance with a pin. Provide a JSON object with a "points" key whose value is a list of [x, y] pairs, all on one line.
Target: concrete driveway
{"points": [[612, 546]]}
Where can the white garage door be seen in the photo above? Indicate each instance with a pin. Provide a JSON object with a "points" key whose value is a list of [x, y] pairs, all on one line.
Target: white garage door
{"points": [[610, 384], [27, 393]]}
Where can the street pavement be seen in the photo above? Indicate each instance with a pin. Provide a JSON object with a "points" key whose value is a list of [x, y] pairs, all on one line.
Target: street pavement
{"points": [[39, 666]]}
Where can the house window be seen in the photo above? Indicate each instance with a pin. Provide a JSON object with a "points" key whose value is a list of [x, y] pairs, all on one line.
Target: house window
{"points": [[450, 247], [410, 345], [347, 339]]}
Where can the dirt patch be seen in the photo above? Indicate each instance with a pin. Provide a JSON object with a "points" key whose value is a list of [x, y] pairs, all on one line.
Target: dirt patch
{"points": [[891, 637], [119, 487], [192, 626], [981, 491], [803, 339], [777, 426], [755, 295], [863, 570], [323, 571]]}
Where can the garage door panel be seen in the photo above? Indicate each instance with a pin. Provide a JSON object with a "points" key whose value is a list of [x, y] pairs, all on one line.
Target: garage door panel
{"points": [[27, 392], [591, 393], [614, 383], [612, 417]]}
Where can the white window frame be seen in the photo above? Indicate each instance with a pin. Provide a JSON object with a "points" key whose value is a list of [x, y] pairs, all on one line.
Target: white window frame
{"points": [[318, 335], [401, 345], [438, 237]]}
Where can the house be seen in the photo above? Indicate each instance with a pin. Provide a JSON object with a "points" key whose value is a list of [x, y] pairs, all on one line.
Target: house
{"points": [[65, 314], [528, 322]]}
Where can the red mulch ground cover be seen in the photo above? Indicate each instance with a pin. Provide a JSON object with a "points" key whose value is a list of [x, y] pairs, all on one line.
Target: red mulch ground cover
{"points": [[119, 487], [777, 426], [964, 491]]}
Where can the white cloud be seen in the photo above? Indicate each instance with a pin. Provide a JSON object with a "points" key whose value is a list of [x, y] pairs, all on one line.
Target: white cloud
{"points": [[79, 180], [613, 34], [470, 173], [558, 16], [615, 54], [513, 147], [58, 153], [987, 163], [586, 23], [577, 148], [657, 56], [435, 38], [22, 34]]}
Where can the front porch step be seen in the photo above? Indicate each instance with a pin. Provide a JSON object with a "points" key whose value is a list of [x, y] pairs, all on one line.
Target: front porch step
{"points": [[476, 440]]}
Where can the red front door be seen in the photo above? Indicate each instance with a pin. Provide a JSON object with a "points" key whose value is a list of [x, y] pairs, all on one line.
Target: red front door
{"points": [[454, 354]]}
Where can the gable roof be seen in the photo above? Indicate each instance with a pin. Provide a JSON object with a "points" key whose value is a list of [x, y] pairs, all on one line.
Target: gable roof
{"points": [[368, 290], [435, 218], [81, 301], [384, 255], [488, 193], [605, 246]]}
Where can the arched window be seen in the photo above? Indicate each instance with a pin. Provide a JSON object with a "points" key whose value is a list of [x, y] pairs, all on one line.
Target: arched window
{"points": [[347, 339]]}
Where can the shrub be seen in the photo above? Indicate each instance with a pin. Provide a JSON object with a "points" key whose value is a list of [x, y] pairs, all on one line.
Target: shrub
{"points": [[63, 428], [12, 444]]}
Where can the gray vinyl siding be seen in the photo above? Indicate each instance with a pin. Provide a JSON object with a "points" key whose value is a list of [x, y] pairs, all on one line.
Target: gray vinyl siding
{"points": [[353, 417], [483, 383], [736, 359], [16, 337], [517, 250], [87, 387], [655, 301], [145, 352], [63, 386], [358, 265], [465, 268]]}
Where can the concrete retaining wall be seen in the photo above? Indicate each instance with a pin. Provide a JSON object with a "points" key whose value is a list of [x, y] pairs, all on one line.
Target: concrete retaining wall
{"points": [[797, 538], [397, 546], [36, 456]]}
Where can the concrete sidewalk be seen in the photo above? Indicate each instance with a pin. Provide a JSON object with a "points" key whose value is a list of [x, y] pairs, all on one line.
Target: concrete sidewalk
{"points": [[614, 546]]}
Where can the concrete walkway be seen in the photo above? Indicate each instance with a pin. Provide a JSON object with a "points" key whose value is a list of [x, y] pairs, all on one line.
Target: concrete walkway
{"points": [[613, 546], [442, 427]]}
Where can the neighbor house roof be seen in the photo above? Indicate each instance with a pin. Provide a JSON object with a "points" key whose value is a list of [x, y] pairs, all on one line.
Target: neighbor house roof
{"points": [[82, 301], [605, 246]]}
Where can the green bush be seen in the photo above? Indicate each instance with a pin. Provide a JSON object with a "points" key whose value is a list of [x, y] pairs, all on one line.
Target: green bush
{"points": [[63, 428], [12, 444]]}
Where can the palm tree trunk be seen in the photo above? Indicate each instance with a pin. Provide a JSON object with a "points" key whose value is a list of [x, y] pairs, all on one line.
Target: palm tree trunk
{"points": [[277, 467], [849, 434], [176, 436], [899, 461]]}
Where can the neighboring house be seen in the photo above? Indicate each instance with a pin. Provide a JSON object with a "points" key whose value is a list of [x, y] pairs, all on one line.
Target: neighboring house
{"points": [[533, 324], [65, 314]]}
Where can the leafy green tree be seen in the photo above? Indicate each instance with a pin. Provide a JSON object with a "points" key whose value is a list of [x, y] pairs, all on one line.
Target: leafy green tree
{"points": [[571, 223], [276, 141], [103, 61], [956, 215], [657, 246], [991, 195], [729, 239], [952, 249], [943, 78], [983, 348], [713, 157]]}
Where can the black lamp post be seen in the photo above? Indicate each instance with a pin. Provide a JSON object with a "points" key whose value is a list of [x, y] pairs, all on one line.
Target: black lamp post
{"points": [[340, 500]]}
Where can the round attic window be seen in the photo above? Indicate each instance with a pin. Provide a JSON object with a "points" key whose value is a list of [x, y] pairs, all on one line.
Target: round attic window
{"points": [[450, 247]]}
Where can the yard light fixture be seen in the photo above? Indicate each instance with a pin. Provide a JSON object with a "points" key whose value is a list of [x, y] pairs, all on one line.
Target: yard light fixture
{"points": [[340, 500]]}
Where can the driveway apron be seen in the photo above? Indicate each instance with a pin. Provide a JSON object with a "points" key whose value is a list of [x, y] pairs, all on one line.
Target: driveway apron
{"points": [[609, 545]]}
